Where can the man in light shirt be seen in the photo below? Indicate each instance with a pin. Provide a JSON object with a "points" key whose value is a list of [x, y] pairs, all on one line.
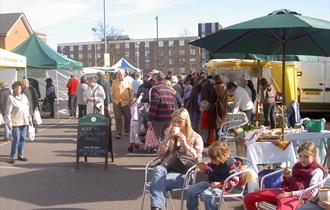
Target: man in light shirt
{"points": [[136, 84], [242, 99], [121, 92]]}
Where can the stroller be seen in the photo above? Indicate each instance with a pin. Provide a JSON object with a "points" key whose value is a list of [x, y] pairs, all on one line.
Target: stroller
{"points": [[143, 119]]}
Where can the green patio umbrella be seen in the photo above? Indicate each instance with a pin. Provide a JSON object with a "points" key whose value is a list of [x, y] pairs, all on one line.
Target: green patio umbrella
{"points": [[282, 32]]}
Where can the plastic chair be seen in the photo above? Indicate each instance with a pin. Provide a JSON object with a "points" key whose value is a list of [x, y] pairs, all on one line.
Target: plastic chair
{"points": [[188, 180], [301, 200]]}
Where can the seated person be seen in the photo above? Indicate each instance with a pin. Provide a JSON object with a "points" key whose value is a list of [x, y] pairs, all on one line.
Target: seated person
{"points": [[305, 173], [189, 142], [221, 166]]}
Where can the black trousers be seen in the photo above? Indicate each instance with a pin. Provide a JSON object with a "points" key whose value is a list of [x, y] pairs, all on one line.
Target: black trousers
{"points": [[82, 109]]}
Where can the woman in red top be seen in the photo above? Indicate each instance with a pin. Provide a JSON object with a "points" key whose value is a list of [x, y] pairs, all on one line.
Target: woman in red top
{"points": [[305, 173]]}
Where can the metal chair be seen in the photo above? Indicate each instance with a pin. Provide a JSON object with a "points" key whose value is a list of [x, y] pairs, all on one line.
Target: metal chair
{"points": [[226, 131], [238, 191], [188, 180], [272, 206]]}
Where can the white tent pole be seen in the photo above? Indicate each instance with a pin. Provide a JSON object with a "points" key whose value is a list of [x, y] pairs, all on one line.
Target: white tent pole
{"points": [[58, 100]]}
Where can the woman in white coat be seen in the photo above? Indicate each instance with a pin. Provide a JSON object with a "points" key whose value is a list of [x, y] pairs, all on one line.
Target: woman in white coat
{"points": [[94, 97]]}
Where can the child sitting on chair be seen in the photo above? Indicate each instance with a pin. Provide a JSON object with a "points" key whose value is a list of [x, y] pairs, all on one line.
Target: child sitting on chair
{"points": [[305, 173], [221, 166]]}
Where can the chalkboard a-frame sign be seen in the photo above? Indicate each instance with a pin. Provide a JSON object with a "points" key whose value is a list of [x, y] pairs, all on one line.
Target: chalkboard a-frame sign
{"points": [[93, 138]]}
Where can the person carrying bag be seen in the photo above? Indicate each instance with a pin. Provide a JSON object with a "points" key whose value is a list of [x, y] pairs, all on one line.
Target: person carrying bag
{"points": [[179, 162]]}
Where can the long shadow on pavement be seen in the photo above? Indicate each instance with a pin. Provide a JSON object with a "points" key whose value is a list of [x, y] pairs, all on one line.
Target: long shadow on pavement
{"points": [[54, 186]]}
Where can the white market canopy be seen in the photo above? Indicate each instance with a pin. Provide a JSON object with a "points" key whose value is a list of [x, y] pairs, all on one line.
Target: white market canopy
{"points": [[124, 64], [10, 59]]}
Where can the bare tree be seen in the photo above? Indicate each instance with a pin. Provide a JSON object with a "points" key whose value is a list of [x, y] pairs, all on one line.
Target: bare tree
{"points": [[186, 32], [112, 34]]}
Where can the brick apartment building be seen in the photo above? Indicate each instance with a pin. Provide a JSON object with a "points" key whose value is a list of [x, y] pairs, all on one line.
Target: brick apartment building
{"points": [[174, 54]]}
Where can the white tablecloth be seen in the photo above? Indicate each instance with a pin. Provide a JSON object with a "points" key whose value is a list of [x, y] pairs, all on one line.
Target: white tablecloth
{"points": [[268, 153]]}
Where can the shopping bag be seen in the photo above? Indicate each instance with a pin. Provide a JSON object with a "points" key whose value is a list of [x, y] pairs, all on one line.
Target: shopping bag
{"points": [[36, 117], [151, 141], [8, 132], [46, 106], [31, 132]]}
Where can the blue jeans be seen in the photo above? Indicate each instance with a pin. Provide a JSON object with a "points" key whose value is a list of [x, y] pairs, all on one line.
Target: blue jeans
{"points": [[209, 195], [193, 192], [8, 133], [161, 182], [19, 138], [310, 206]]}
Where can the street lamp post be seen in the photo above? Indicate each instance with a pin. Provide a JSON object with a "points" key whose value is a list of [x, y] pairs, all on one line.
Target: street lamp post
{"points": [[105, 40], [95, 61], [157, 42]]}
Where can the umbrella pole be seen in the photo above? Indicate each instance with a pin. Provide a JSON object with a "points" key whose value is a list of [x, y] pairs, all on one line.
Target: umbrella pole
{"points": [[283, 85]]}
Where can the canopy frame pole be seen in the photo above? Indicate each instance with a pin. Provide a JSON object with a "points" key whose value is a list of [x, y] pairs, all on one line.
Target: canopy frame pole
{"points": [[58, 100]]}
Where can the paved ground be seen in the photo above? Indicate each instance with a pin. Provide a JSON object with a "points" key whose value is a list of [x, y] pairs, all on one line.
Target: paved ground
{"points": [[49, 179]]}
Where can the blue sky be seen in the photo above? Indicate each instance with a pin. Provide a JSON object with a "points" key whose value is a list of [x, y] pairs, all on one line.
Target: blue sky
{"points": [[72, 20]]}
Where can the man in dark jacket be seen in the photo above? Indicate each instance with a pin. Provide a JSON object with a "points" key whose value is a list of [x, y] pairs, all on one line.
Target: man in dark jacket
{"points": [[4, 95], [32, 95], [106, 87]]}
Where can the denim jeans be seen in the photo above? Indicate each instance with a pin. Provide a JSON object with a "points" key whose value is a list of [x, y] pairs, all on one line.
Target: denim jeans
{"points": [[193, 192], [8, 132], [19, 139], [310, 206], [161, 182], [211, 196]]}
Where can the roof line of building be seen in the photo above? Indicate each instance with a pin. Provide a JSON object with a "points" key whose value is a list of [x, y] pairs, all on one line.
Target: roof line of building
{"points": [[129, 41], [25, 21]]}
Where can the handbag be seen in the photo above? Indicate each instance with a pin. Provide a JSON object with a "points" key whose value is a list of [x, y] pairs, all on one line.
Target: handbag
{"points": [[178, 162], [36, 117], [31, 132]]}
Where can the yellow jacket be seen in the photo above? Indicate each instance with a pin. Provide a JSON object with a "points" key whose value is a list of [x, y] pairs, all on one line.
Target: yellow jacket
{"points": [[121, 92]]}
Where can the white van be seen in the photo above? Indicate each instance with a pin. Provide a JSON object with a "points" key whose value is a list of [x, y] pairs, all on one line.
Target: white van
{"points": [[314, 85]]}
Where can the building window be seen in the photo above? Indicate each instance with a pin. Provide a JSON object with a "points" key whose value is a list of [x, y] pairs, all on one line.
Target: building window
{"points": [[170, 61], [170, 43], [182, 70], [170, 53], [181, 42], [98, 47], [181, 52], [126, 45], [160, 44], [71, 48], [192, 51], [117, 46], [146, 44], [192, 60], [126, 53], [80, 47], [89, 56], [89, 47]]}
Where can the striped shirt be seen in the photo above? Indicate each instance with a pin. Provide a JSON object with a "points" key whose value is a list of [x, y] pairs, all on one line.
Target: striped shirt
{"points": [[162, 103]]}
